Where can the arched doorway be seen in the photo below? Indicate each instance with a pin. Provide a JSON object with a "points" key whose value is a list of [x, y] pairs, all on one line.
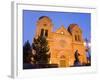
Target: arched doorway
{"points": [[62, 61]]}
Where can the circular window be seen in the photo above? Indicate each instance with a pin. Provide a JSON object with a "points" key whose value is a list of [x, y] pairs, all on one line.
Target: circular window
{"points": [[45, 24], [62, 43]]}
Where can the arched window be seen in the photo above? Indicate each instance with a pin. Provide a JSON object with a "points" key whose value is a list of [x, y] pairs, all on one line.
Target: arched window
{"points": [[75, 37], [42, 32], [46, 33], [79, 38]]}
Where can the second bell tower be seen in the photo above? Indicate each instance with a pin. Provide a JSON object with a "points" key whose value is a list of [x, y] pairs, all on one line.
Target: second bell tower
{"points": [[44, 26]]}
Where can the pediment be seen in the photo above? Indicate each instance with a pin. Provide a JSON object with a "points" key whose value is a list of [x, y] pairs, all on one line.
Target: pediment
{"points": [[62, 30]]}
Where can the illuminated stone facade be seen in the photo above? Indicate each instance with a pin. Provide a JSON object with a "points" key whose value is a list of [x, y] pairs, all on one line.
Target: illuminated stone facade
{"points": [[63, 42]]}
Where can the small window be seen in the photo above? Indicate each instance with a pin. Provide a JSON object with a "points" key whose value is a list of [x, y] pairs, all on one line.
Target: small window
{"points": [[75, 37], [42, 32], [79, 39], [46, 33]]}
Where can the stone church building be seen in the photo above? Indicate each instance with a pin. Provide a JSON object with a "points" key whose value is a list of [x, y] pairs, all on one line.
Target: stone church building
{"points": [[63, 42]]}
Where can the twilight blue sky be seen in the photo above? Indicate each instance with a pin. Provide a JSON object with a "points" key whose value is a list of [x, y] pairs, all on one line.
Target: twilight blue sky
{"points": [[30, 18]]}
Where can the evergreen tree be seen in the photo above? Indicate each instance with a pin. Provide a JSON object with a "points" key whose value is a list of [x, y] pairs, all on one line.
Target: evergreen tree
{"points": [[27, 52], [41, 48], [76, 55]]}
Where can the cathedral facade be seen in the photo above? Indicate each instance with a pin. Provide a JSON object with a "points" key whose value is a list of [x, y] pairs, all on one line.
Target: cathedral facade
{"points": [[63, 42]]}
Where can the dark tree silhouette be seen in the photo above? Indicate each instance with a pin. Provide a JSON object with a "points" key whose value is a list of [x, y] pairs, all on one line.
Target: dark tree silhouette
{"points": [[41, 48], [27, 52], [76, 55]]}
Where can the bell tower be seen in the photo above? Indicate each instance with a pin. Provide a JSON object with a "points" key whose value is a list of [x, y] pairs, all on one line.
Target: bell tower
{"points": [[78, 42], [44, 26]]}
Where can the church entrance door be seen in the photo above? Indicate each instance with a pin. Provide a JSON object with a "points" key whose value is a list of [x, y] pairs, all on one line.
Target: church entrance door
{"points": [[62, 63]]}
